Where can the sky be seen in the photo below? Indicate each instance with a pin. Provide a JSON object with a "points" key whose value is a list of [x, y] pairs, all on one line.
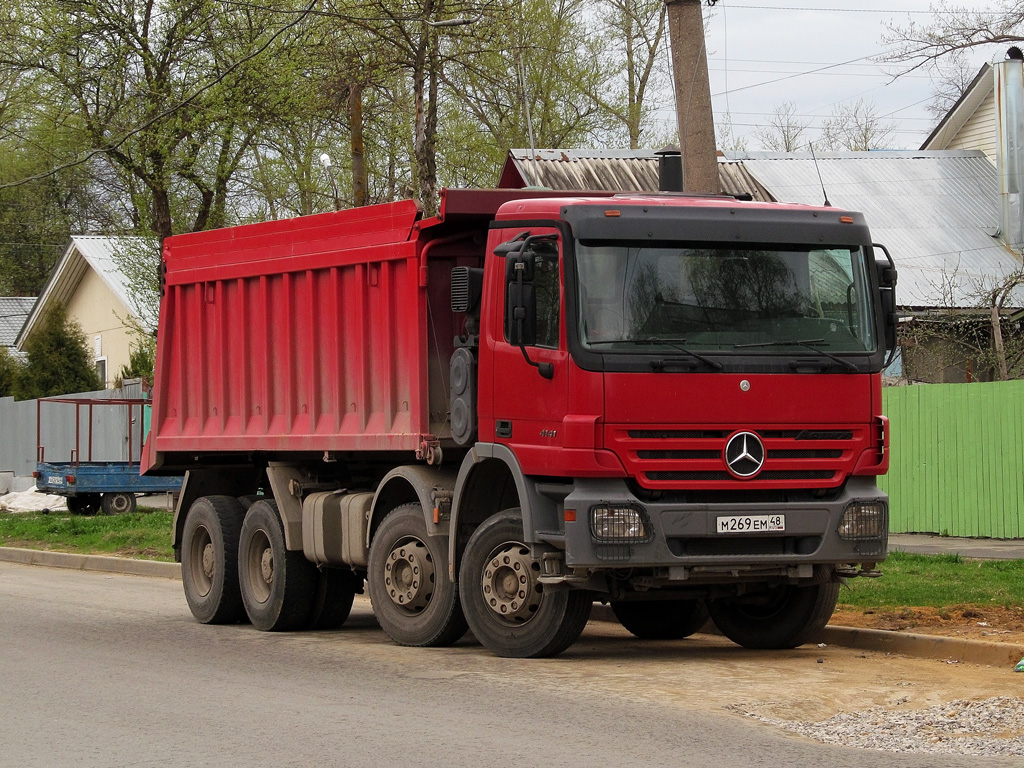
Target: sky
{"points": [[763, 53]]}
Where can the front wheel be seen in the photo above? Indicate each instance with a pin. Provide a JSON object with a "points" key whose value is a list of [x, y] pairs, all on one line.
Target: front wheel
{"points": [[413, 599], [278, 585], [509, 610], [785, 616], [661, 619]]}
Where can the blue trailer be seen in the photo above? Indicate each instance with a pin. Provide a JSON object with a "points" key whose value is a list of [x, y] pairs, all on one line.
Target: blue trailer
{"points": [[90, 480]]}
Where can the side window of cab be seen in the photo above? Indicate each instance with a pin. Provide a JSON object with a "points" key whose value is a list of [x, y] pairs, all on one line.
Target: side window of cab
{"points": [[533, 293]]}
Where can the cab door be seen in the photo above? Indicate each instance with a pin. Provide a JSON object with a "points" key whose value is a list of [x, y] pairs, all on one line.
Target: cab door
{"points": [[528, 349]]}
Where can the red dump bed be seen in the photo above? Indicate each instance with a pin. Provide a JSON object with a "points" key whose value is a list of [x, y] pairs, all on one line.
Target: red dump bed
{"points": [[295, 335]]}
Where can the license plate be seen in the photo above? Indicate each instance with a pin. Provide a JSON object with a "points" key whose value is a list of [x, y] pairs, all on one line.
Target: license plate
{"points": [[55, 480], [751, 523]]}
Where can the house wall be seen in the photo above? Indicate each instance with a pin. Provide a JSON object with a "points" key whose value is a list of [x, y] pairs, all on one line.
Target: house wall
{"points": [[980, 131], [98, 310]]}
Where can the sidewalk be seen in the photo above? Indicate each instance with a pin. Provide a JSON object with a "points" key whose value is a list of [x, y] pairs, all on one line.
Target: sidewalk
{"points": [[979, 549]]}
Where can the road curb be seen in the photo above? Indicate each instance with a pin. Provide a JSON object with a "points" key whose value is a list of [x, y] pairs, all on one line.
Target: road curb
{"points": [[91, 562], [924, 646]]}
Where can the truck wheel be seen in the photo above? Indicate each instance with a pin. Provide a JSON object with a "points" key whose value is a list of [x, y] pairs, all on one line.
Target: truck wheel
{"points": [[783, 617], [119, 503], [661, 619], [209, 560], [413, 599], [332, 601], [278, 585], [507, 607]]}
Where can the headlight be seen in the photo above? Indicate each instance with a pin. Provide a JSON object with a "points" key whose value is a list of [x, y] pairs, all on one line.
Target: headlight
{"points": [[864, 520], [618, 524]]}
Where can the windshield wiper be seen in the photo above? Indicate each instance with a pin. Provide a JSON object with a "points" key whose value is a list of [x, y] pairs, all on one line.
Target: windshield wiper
{"points": [[806, 344], [675, 344]]}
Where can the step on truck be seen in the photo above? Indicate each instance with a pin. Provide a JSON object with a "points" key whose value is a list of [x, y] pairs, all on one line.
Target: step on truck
{"points": [[531, 402]]}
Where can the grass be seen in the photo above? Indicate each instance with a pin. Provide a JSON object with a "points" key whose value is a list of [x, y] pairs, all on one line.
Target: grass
{"points": [[145, 534], [938, 581]]}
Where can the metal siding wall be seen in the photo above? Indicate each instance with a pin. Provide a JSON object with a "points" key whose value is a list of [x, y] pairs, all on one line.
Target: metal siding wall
{"points": [[110, 435], [957, 459]]}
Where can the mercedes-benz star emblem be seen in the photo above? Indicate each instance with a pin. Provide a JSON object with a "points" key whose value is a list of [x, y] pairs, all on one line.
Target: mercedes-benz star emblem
{"points": [[744, 454]]}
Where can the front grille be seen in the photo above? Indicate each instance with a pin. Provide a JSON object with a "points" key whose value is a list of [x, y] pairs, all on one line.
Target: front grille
{"points": [[740, 546], [694, 458], [768, 474]]}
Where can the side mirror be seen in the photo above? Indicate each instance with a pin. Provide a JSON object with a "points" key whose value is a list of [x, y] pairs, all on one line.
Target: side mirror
{"points": [[520, 300], [886, 271]]}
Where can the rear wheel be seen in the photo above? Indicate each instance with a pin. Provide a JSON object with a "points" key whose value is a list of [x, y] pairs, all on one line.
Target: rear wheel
{"points": [[332, 601], [661, 619], [507, 607], [119, 503], [414, 600], [278, 585], [209, 560], [783, 617]]}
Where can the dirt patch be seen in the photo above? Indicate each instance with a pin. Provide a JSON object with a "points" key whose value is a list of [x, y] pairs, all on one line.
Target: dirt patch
{"points": [[974, 622]]}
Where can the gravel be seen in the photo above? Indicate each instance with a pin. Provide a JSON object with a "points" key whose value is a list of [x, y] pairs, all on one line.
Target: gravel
{"points": [[963, 727]]}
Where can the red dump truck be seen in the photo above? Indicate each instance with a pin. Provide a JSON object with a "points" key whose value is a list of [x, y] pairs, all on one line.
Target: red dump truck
{"points": [[531, 402]]}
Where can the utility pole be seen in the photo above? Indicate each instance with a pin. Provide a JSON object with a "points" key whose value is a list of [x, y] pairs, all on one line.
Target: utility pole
{"points": [[693, 97]]}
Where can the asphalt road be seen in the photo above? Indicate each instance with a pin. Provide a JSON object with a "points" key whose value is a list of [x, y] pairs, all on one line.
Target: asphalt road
{"points": [[110, 670]]}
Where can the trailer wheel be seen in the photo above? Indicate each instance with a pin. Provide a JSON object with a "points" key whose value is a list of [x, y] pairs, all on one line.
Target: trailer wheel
{"points": [[332, 601], [87, 504], [119, 503], [209, 560], [507, 607], [661, 619], [413, 599], [278, 585], [783, 617]]}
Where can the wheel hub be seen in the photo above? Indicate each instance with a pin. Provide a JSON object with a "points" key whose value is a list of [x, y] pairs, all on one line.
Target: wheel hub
{"points": [[267, 565], [409, 575], [209, 560], [509, 584]]}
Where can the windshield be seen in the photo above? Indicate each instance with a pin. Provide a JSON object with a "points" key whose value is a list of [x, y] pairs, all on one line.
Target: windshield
{"points": [[742, 300]]}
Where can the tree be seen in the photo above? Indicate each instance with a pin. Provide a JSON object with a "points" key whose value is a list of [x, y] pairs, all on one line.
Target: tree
{"points": [[784, 132], [856, 127], [954, 29], [158, 88], [58, 359], [10, 370], [634, 32]]}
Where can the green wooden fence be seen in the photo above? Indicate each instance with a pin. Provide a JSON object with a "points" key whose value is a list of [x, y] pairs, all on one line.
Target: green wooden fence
{"points": [[957, 461]]}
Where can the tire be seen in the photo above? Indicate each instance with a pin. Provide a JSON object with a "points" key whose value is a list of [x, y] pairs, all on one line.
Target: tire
{"points": [[507, 608], [86, 504], [784, 617], [413, 599], [278, 585], [332, 601], [209, 560], [119, 503], [661, 619]]}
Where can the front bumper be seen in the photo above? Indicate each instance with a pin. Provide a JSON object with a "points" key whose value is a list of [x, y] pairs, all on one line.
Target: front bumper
{"points": [[686, 534]]}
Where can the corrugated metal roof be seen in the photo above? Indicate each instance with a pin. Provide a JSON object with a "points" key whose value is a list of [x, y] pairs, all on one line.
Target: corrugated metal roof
{"points": [[936, 212], [14, 310], [625, 170]]}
